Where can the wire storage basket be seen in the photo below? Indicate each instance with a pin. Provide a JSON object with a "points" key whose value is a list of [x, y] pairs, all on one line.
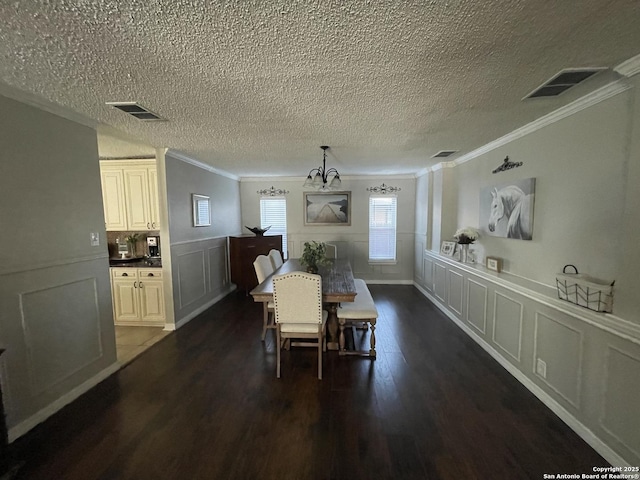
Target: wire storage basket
{"points": [[585, 291]]}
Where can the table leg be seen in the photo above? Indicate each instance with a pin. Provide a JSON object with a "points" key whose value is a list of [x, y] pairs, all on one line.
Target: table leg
{"points": [[332, 327]]}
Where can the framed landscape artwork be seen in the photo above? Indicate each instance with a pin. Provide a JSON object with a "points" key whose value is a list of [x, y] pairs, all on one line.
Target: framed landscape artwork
{"points": [[327, 208]]}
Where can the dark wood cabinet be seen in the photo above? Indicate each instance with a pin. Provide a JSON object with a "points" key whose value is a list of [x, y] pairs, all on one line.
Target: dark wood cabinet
{"points": [[243, 251]]}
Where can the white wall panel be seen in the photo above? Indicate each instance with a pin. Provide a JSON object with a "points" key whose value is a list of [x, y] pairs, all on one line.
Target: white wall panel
{"points": [[621, 407], [418, 271], [456, 284], [201, 276], [428, 273], [61, 331], [477, 306], [507, 324], [191, 277], [218, 271], [560, 347], [360, 259], [440, 282]]}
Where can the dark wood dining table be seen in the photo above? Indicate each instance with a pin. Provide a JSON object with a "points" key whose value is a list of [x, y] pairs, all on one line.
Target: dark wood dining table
{"points": [[337, 286]]}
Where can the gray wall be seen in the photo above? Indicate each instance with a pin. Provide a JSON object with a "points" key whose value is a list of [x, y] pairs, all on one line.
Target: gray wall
{"points": [[56, 319], [198, 255], [352, 241], [586, 161]]}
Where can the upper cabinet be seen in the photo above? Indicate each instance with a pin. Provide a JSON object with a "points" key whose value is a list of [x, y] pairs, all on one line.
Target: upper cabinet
{"points": [[130, 195]]}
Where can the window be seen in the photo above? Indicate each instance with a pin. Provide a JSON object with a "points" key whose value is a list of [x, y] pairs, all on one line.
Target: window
{"points": [[382, 229], [273, 212]]}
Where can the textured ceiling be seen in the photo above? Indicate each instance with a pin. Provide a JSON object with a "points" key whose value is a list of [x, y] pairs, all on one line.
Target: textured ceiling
{"points": [[255, 87]]}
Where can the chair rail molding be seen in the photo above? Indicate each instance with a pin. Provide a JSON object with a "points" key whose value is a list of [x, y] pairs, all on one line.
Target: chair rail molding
{"points": [[566, 355]]}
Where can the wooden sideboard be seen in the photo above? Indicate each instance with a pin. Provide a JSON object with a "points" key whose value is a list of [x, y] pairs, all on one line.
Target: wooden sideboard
{"points": [[243, 251]]}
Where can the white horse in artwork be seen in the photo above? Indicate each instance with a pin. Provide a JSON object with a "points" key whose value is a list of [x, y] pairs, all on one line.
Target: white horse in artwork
{"points": [[514, 205]]}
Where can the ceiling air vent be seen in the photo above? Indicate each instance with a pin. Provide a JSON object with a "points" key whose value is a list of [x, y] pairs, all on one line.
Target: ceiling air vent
{"points": [[563, 81], [444, 153], [136, 110]]}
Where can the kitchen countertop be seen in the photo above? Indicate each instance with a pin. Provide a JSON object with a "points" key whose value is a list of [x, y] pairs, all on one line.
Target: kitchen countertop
{"points": [[142, 263]]}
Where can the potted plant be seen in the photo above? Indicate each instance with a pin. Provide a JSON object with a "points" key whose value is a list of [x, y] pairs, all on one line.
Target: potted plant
{"points": [[465, 237], [314, 255], [132, 240]]}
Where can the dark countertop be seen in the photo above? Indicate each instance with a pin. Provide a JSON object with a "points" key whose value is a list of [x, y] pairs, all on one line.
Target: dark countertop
{"points": [[142, 263]]}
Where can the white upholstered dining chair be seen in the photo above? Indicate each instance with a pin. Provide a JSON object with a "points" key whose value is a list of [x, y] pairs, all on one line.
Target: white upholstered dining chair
{"points": [[276, 258], [264, 268], [297, 297]]}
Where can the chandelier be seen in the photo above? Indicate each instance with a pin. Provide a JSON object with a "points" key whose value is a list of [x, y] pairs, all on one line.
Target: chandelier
{"points": [[321, 178]]}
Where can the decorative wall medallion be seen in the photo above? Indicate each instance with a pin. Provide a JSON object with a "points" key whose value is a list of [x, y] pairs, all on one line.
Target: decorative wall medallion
{"points": [[272, 192], [383, 189]]}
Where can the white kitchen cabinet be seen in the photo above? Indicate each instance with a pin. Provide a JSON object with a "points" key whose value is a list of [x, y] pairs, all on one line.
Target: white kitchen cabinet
{"points": [[154, 199], [138, 296], [115, 216], [151, 295], [130, 195]]}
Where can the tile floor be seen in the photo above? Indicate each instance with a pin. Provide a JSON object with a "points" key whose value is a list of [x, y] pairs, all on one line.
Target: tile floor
{"points": [[132, 341]]}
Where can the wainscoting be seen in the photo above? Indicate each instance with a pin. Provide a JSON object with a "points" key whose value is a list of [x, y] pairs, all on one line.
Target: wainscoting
{"points": [[583, 365], [57, 326], [355, 248], [200, 274]]}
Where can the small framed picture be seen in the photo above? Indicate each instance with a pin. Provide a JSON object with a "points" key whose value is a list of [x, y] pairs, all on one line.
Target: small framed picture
{"points": [[448, 248], [494, 263], [201, 213]]}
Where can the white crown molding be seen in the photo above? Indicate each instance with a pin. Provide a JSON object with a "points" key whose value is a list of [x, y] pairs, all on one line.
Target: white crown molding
{"points": [[442, 165], [630, 67], [46, 105], [266, 179], [572, 108], [196, 163]]}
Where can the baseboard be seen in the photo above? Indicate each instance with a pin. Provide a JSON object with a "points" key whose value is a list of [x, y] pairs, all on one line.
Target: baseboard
{"points": [[388, 282], [184, 320], [579, 428], [26, 425]]}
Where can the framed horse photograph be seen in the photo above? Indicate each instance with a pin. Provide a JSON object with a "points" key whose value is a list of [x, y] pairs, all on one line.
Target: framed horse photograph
{"points": [[506, 210]]}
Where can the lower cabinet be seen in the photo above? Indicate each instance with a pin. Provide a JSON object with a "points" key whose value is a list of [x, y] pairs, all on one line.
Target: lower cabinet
{"points": [[138, 296]]}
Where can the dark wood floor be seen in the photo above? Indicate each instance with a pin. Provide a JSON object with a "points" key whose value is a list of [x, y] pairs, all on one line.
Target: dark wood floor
{"points": [[204, 403]]}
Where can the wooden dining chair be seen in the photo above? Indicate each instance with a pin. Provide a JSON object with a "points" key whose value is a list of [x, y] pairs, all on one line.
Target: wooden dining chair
{"points": [[297, 297], [264, 268], [276, 258]]}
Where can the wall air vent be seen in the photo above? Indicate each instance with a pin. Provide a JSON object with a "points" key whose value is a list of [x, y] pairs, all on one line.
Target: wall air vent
{"points": [[563, 81], [136, 110], [444, 153]]}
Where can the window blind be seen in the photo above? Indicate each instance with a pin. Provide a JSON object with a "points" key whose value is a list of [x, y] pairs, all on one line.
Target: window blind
{"points": [[382, 228], [273, 212]]}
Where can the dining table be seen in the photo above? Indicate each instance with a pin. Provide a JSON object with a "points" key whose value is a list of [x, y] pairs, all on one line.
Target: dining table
{"points": [[337, 286]]}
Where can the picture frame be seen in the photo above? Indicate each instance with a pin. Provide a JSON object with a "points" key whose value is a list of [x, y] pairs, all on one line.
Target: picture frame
{"points": [[201, 210], [448, 249], [507, 209], [494, 264], [328, 209]]}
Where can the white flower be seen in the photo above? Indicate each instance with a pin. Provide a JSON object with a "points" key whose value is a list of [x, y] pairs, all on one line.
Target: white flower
{"points": [[466, 235]]}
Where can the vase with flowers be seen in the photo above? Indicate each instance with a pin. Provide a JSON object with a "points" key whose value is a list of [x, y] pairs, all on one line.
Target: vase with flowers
{"points": [[314, 255], [465, 237]]}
